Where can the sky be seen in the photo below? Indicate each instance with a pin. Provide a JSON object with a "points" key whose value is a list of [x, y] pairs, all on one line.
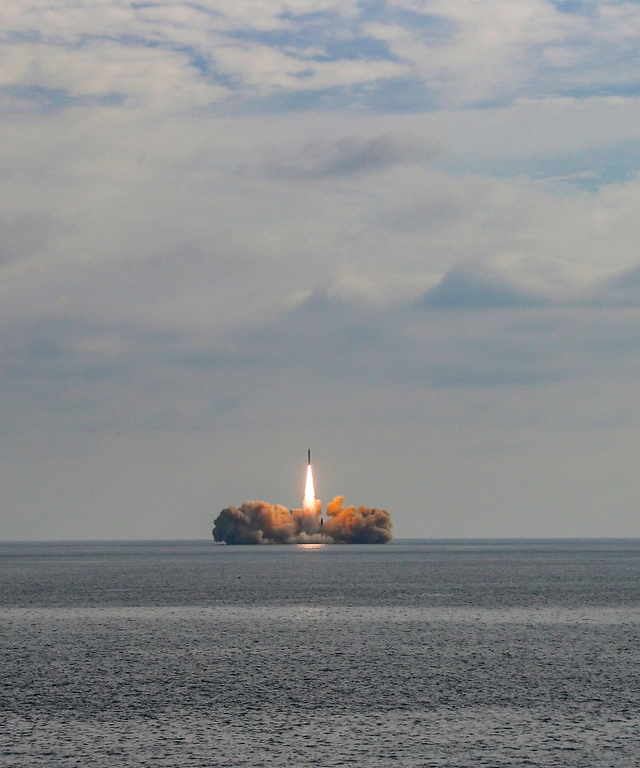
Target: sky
{"points": [[402, 233]]}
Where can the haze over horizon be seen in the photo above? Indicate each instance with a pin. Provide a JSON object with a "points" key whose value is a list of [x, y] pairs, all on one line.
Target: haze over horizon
{"points": [[403, 232]]}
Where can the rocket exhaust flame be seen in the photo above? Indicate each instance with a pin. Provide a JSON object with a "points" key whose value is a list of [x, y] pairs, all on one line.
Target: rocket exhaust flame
{"points": [[258, 522], [309, 499]]}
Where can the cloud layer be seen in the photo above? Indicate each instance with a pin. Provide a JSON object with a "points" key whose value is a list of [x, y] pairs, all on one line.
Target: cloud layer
{"points": [[177, 55], [405, 229]]}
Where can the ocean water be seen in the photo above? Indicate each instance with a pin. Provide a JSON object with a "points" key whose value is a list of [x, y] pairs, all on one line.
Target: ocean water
{"points": [[417, 653]]}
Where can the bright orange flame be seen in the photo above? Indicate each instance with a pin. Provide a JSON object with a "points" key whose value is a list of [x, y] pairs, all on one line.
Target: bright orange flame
{"points": [[309, 500]]}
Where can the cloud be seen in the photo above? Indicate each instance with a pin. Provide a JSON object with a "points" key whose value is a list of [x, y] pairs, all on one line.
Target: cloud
{"points": [[352, 155], [177, 56], [25, 235], [476, 286], [263, 69], [346, 345], [497, 49], [105, 72], [621, 290]]}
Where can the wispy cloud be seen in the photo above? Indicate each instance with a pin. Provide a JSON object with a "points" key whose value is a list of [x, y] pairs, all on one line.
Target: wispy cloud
{"points": [[353, 155], [178, 55]]}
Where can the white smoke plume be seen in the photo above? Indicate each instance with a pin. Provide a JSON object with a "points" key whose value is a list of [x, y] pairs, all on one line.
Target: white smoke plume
{"points": [[258, 522]]}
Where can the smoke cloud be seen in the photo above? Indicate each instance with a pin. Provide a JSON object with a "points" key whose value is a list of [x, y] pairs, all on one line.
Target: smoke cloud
{"points": [[258, 522], [361, 525]]}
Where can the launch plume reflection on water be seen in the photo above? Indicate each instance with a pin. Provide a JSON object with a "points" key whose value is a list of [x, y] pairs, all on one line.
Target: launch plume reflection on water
{"points": [[258, 522]]}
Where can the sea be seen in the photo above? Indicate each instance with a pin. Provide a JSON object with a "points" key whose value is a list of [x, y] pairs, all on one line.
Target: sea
{"points": [[416, 653]]}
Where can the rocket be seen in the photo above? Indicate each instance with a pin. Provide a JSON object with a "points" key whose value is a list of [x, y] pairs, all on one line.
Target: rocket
{"points": [[309, 455]]}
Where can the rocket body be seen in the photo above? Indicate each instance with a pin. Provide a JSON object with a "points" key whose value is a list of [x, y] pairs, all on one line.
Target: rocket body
{"points": [[309, 455]]}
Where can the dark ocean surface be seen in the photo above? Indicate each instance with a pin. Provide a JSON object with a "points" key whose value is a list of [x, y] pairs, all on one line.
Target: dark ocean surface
{"points": [[417, 653]]}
